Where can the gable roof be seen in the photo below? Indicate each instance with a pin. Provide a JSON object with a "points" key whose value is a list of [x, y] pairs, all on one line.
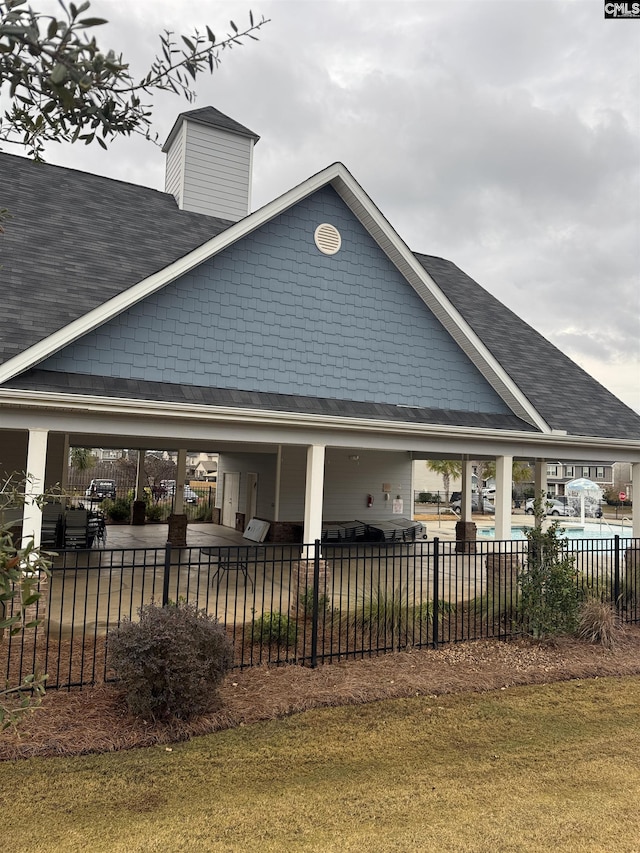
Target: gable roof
{"points": [[137, 241]]}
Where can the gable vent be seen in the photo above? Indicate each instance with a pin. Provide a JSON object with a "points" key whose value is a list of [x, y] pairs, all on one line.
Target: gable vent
{"points": [[327, 239]]}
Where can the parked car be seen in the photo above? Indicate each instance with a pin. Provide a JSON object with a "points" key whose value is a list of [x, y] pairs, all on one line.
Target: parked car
{"points": [[98, 490], [190, 497], [487, 506], [552, 507], [167, 488]]}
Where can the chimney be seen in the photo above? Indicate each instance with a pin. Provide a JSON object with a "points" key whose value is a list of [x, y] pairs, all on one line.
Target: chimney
{"points": [[209, 163]]}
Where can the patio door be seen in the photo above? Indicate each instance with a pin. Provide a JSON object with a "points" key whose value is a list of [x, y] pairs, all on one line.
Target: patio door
{"points": [[230, 498]]}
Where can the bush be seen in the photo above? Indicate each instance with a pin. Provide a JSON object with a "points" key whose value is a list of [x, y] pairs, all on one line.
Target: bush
{"points": [[549, 597], [306, 602], [394, 617], [118, 510], [171, 662], [154, 512], [273, 628], [598, 623]]}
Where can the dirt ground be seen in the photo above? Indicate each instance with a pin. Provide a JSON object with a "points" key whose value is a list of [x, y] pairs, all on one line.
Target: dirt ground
{"points": [[96, 720]]}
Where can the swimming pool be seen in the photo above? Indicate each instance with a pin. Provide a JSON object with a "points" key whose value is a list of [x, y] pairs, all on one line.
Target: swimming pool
{"points": [[586, 531]]}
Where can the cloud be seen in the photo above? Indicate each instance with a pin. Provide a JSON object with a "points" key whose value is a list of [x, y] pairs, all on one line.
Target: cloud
{"points": [[501, 135]]}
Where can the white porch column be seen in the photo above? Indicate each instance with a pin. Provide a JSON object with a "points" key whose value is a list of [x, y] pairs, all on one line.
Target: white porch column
{"points": [[276, 498], [178, 505], [467, 488], [36, 464], [635, 481], [504, 476], [314, 489], [540, 481], [64, 479]]}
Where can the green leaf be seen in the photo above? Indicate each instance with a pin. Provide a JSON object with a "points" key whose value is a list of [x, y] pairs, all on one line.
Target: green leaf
{"points": [[92, 22], [58, 75]]}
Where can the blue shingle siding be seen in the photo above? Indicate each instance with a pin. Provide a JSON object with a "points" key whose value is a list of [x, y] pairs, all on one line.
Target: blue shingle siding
{"points": [[272, 313]]}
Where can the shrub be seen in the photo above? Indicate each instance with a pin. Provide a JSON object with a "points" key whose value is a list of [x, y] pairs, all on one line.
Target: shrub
{"points": [[549, 597], [118, 510], [171, 662], [598, 623], [154, 512], [306, 602], [393, 616], [273, 628]]}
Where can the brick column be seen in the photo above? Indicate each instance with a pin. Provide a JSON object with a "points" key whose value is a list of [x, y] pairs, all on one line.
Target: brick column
{"points": [[465, 537], [502, 578], [177, 533], [302, 586]]}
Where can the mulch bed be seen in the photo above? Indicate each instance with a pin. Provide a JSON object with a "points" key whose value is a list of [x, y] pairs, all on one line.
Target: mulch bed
{"points": [[96, 720]]}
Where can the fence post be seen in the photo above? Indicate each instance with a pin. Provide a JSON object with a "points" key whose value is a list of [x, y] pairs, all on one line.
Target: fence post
{"points": [[616, 573], [314, 622], [167, 572], [436, 591]]}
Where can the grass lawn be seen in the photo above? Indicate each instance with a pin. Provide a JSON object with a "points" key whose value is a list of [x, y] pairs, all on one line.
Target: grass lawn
{"points": [[542, 768]]}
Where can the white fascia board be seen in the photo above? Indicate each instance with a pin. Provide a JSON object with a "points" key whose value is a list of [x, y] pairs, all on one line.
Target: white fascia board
{"points": [[174, 412], [105, 312]]}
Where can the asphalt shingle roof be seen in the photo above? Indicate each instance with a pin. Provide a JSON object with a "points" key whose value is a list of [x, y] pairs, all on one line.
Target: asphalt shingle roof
{"points": [[214, 118], [166, 392], [566, 396], [76, 240]]}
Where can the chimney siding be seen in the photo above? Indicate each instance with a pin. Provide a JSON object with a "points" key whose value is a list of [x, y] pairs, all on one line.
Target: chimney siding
{"points": [[209, 170]]}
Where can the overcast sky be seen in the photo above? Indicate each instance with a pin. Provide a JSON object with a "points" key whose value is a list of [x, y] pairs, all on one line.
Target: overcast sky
{"points": [[503, 135]]}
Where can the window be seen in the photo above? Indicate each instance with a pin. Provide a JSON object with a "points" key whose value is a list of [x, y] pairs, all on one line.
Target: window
{"points": [[568, 471], [552, 470], [599, 473]]}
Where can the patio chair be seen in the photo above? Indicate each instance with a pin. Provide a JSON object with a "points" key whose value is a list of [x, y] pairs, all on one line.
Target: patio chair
{"points": [[51, 530], [97, 529], [76, 528]]}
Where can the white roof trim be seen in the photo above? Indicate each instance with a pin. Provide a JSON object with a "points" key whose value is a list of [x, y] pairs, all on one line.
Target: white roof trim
{"points": [[108, 407], [381, 231]]}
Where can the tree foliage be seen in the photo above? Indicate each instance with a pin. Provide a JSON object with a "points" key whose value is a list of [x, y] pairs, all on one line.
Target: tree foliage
{"points": [[22, 568], [82, 459], [447, 468], [63, 86]]}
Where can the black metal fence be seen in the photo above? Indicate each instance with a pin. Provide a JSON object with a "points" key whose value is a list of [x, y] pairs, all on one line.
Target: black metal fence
{"points": [[303, 604]]}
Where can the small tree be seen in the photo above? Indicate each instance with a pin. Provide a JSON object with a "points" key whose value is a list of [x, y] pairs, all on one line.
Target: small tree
{"points": [[82, 459], [548, 591], [447, 468]]}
